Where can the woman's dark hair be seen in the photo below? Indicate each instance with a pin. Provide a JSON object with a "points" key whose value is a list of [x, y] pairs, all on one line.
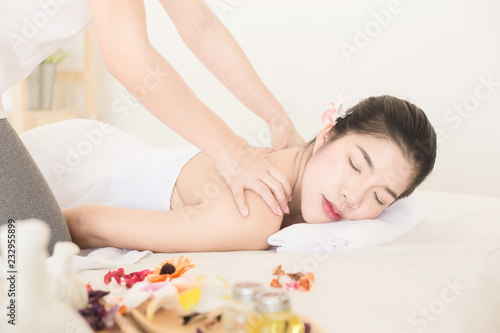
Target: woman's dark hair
{"points": [[397, 120]]}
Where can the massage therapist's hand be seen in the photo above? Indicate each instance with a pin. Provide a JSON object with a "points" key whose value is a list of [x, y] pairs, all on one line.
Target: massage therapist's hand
{"points": [[246, 169]]}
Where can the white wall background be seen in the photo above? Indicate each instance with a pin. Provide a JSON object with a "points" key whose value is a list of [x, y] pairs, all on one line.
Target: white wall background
{"points": [[435, 53]]}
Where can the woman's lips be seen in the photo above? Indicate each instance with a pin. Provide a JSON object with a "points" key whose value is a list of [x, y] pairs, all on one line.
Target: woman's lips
{"points": [[329, 210]]}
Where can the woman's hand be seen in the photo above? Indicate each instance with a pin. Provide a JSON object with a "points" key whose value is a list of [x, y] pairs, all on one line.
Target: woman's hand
{"points": [[247, 169]]}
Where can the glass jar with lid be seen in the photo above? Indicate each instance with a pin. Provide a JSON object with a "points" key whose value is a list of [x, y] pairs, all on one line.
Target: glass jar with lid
{"points": [[273, 314], [240, 306]]}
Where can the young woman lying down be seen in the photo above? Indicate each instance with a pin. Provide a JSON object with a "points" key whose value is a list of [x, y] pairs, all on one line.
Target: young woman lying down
{"points": [[116, 190]]}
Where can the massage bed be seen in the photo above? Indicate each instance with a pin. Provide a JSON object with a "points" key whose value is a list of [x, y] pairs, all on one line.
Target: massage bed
{"points": [[442, 276]]}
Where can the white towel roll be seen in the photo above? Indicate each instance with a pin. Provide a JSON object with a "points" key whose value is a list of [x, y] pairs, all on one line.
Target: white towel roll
{"points": [[394, 222]]}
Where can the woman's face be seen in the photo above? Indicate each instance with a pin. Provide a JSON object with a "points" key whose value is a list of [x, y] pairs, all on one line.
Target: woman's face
{"points": [[355, 177]]}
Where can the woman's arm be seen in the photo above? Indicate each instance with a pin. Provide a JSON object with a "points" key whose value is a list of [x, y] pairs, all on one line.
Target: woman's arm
{"points": [[217, 49], [215, 225], [120, 27]]}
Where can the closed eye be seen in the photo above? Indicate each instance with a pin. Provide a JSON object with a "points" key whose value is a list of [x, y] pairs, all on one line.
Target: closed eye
{"points": [[353, 167], [377, 199]]}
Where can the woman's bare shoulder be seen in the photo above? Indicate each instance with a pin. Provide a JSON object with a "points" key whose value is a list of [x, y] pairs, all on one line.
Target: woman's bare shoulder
{"points": [[201, 184], [200, 180]]}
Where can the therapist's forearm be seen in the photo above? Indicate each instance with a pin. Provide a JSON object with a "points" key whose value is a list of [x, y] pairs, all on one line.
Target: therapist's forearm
{"points": [[161, 90], [219, 52], [121, 32]]}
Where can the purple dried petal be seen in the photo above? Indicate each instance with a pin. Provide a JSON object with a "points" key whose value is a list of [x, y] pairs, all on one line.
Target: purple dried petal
{"points": [[96, 295], [95, 312]]}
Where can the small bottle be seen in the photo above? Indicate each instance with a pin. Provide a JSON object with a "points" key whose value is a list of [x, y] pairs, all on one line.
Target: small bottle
{"points": [[240, 306], [272, 314]]}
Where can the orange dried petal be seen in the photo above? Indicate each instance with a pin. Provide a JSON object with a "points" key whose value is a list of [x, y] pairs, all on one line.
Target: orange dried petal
{"points": [[157, 278], [278, 271], [305, 284], [309, 276], [276, 284]]}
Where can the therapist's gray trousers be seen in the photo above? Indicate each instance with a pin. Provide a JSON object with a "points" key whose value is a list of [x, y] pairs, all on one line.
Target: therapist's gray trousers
{"points": [[24, 193]]}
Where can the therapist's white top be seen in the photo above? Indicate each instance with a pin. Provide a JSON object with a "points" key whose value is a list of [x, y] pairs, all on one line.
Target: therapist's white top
{"points": [[31, 30]]}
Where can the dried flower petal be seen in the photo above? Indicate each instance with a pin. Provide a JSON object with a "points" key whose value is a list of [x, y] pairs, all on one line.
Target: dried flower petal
{"points": [[278, 271], [129, 279], [276, 284], [305, 284], [309, 276], [296, 281], [295, 276], [96, 314], [292, 285], [116, 274]]}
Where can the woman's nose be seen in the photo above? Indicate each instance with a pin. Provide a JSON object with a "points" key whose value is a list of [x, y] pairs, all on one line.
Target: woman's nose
{"points": [[354, 194], [352, 199]]}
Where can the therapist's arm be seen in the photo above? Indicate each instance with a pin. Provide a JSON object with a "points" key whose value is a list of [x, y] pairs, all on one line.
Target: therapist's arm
{"points": [[120, 27], [217, 49]]}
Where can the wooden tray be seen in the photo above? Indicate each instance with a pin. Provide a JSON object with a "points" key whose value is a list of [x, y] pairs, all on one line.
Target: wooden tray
{"points": [[170, 321]]}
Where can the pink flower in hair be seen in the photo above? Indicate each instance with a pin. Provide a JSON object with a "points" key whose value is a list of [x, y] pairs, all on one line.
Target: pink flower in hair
{"points": [[337, 110]]}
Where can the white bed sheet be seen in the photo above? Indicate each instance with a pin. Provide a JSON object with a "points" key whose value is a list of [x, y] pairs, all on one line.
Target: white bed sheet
{"points": [[443, 276]]}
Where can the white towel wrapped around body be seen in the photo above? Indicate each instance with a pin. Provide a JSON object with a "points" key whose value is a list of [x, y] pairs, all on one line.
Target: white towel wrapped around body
{"points": [[394, 222], [90, 162]]}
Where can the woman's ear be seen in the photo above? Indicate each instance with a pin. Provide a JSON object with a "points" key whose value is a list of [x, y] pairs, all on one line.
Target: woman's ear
{"points": [[323, 136]]}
